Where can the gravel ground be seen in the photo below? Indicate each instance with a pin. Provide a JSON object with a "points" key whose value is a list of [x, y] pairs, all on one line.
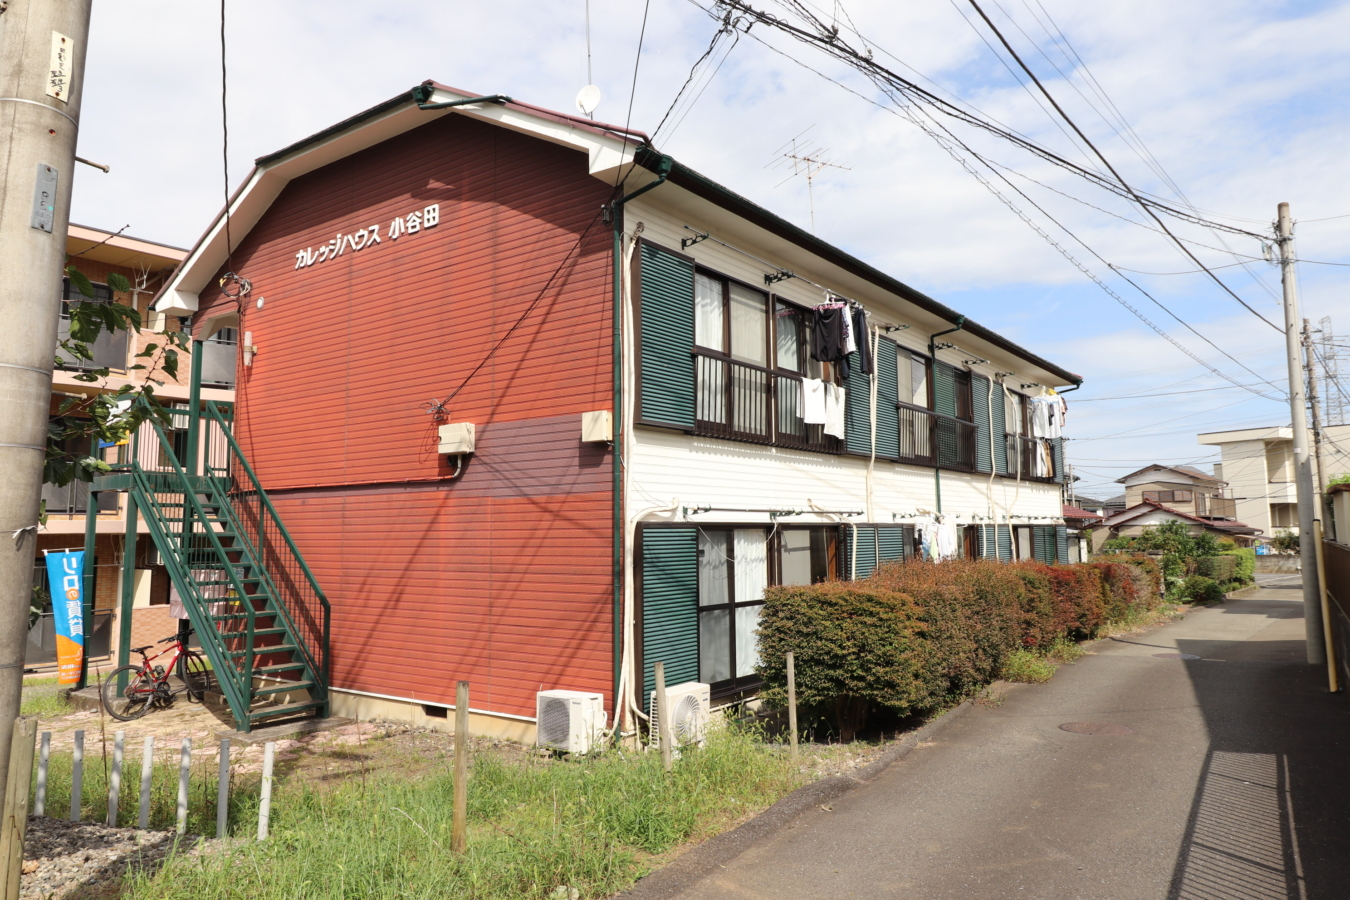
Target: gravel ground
{"points": [[64, 860]]}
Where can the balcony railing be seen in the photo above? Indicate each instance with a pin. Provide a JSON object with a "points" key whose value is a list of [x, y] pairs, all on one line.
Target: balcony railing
{"points": [[1030, 458], [109, 349], [218, 358], [1215, 507], [745, 402], [916, 436], [955, 441]]}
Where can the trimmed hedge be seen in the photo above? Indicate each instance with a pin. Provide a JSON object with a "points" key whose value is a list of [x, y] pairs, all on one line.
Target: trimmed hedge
{"points": [[1218, 568], [916, 635], [1246, 564]]}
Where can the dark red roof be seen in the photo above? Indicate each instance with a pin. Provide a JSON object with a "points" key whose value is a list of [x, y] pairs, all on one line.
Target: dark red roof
{"points": [[1073, 512]]}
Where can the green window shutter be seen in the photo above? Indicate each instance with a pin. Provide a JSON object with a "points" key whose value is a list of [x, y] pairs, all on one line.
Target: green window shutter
{"points": [[866, 562], [857, 411], [979, 396], [1043, 543], [1057, 453], [944, 389], [1004, 539], [669, 606], [892, 543], [1062, 544], [665, 338], [999, 416], [888, 395]]}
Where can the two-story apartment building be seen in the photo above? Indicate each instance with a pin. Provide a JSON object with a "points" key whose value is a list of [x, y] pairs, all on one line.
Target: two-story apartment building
{"points": [[1258, 464], [667, 413], [147, 266]]}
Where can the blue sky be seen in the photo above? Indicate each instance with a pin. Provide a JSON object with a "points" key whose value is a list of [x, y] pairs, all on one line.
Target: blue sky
{"points": [[1241, 104]]}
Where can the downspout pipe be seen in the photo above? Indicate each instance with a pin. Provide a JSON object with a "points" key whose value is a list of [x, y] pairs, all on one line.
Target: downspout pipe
{"points": [[932, 356], [615, 210]]}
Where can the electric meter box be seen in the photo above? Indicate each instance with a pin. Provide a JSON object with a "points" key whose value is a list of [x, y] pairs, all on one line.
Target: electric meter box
{"points": [[457, 438]]}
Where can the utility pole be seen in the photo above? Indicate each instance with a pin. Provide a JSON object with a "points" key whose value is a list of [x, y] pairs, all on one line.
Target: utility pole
{"points": [[1298, 411], [42, 50], [1315, 407]]}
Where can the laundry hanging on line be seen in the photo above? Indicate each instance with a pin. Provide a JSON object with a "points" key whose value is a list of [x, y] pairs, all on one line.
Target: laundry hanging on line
{"points": [[812, 401], [834, 411]]}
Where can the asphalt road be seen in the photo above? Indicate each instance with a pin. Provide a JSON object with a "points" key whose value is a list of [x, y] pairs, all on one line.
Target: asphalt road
{"points": [[1234, 783]]}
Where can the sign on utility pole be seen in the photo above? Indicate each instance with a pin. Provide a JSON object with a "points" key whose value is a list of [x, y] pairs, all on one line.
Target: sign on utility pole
{"points": [[42, 48], [1298, 411]]}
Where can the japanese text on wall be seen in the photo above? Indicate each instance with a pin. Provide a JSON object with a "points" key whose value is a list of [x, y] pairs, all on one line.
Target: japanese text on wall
{"points": [[412, 223]]}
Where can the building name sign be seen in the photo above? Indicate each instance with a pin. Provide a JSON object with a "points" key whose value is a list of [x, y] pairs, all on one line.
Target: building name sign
{"points": [[412, 223]]}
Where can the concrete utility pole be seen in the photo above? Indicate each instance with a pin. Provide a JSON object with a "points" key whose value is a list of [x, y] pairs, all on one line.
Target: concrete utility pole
{"points": [[1298, 411], [42, 48], [1320, 474]]}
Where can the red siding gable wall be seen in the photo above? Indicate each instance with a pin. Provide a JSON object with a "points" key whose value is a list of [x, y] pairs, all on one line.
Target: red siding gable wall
{"points": [[503, 576]]}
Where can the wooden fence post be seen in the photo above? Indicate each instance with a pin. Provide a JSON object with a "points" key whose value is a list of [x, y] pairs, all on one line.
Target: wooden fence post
{"points": [[115, 780], [792, 701], [19, 780], [459, 833], [147, 771], [77, 777], [663, 731], [184, 771], [44, 759], [265, 802], [223, 789]]}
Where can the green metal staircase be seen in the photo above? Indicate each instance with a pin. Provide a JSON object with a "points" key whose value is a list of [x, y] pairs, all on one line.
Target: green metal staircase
{"points": [[259, 614]]}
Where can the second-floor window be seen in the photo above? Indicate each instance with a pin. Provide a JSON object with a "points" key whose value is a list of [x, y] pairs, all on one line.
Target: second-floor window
{"points": [[1169, 496]]}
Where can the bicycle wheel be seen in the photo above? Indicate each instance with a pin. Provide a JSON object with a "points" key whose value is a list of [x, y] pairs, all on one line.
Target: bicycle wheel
{"points": [[133, 701], [195, 675]]}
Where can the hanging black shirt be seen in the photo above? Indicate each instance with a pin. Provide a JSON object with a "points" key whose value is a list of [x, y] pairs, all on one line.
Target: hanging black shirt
{"points": [[860, 336], [827, 338]]}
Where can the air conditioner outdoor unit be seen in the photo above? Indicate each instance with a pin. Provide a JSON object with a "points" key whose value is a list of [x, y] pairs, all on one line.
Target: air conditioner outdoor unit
{"points": [[571, 721], [690, 706]]}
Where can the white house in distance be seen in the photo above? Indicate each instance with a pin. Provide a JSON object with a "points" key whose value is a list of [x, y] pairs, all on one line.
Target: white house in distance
{"points": [[1258, 464], [1159, 493]]}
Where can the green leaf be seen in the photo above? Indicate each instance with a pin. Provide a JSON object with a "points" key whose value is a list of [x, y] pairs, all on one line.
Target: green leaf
{"points": [[170, 364], [81, 281], [119, 282]]}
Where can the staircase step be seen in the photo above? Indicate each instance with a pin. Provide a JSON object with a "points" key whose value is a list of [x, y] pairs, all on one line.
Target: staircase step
{"points": [[280, 667], [265, 651], [271, 712], [284, 688]]}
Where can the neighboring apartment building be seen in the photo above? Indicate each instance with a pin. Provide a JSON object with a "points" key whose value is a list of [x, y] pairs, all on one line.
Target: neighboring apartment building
{"points": [[147, 265], [1258, 464], [647, 453], [1158, 493]]}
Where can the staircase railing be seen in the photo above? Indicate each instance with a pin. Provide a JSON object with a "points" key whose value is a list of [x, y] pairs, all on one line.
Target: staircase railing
{"points": [[298, 595]]}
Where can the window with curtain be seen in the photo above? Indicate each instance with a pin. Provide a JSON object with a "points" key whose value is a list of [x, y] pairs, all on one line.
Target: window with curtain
{"points": [[806, 555], [733, 573], [912, 374], [709, 330]]}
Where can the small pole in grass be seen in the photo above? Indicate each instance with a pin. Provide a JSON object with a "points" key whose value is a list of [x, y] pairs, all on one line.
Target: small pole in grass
{"points": [[265, 803], [459, 832], [77, 777], [44, 758], [184, 770], [147, 770], [115, 779], [223, 789], [662, 720], [792, 702]]}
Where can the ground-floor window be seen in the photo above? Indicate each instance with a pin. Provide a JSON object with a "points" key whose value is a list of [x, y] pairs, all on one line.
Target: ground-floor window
{"points": [[733, 571]]}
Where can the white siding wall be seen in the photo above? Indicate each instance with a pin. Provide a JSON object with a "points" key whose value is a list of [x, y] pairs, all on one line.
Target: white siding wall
{"points": [[669, 467]]}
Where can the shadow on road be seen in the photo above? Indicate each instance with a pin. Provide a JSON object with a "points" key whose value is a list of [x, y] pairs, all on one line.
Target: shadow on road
{"points": [[1268, 819]]}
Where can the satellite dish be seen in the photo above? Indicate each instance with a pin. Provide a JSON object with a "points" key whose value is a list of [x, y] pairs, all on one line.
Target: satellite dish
{"points": [[588, 98]]}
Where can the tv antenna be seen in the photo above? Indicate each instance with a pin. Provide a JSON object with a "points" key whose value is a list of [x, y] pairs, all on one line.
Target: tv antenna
{"points": [[805, 158]]}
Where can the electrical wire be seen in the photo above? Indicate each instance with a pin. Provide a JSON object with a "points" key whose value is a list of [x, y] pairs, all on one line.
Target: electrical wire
{"points": [[727, 27], [1138, 199], [632, 92], [225, 143]]}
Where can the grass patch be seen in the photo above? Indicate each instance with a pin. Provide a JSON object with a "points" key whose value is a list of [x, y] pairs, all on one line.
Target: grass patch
{"points": [[1027, 666], [1065, 651], [44, 698], [594, 825]]}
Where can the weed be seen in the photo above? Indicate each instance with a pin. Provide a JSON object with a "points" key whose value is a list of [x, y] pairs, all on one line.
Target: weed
{"points": [[44, 698], [1064, 650], [1027, 666]]}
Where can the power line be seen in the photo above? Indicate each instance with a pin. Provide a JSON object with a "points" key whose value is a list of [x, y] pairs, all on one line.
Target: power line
{"points": [[632, 90], [909, 114], [1146, 207]]}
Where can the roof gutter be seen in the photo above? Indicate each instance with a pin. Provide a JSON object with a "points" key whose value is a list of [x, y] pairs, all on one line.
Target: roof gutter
{"points": [[423, 92]]}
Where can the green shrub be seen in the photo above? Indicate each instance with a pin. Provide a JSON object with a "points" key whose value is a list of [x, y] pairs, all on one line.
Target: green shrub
{"points": [[1027, 666], [1245, 569], [917, 635], [1201, 589], [1221, 568]]}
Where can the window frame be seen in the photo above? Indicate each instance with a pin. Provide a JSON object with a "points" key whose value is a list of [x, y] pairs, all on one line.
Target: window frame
{"points": [[734, 684], [770, 332]]}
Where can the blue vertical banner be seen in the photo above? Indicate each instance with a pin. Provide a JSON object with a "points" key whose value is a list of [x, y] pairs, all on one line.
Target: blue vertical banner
{"points": [[65, 572]]}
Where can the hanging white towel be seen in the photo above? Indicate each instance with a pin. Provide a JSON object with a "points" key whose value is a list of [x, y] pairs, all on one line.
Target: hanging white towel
{"points": [[834, 410], [850, 339], [813, 401]]}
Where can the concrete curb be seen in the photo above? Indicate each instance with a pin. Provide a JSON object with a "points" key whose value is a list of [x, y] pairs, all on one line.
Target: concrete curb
{"points": [[674, 879]]}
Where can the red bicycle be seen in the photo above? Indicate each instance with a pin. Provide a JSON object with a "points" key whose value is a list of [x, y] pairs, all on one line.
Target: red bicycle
{"points": [[148, 684]]}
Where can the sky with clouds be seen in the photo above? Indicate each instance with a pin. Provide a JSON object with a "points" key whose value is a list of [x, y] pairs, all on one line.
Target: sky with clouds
{"points": [[1237, 106]]}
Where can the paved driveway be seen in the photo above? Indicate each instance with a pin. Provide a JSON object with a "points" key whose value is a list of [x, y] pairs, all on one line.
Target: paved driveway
{"points": [[1233, 783]]}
